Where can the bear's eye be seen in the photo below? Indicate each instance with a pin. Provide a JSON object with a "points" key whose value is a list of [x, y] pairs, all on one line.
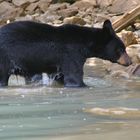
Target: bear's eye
{"points": [[119, 51]]}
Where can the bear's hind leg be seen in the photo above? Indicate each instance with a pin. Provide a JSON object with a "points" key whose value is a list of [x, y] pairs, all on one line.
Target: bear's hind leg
{"points": [[59, 77], [4, 77]]}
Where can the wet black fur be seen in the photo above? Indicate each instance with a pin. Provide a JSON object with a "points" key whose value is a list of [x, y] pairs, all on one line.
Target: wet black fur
{"points": [[29, 48]]}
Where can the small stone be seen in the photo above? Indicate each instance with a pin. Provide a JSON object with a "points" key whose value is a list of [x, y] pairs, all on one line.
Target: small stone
{"points": [[57, 22]]}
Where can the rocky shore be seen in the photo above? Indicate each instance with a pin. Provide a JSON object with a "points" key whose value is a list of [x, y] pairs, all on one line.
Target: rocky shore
{"points": [[84, 13]]}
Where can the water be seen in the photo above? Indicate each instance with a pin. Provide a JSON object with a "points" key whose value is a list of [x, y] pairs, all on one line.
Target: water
{"points": [[109, 108]]}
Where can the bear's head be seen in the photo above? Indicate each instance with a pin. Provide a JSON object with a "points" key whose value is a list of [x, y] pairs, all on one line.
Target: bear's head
{"points": [[114, 50]]}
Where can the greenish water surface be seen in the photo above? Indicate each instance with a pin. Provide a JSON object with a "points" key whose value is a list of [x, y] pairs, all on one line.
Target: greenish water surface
{"points": [[57, 113]]}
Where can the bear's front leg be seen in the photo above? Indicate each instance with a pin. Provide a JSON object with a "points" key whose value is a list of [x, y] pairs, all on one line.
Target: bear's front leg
{"points": [[73, 74], [73, 81]]}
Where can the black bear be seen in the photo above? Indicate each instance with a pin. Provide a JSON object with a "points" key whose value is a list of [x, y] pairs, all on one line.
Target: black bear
{"points": [[29, 48]]}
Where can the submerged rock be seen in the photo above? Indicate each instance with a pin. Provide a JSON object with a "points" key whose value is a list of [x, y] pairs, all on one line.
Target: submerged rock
{"points": [[120, 112], [116, 70]]}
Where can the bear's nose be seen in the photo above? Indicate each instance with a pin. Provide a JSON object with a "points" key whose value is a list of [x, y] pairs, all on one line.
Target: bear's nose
{"points": [[124, 60]]}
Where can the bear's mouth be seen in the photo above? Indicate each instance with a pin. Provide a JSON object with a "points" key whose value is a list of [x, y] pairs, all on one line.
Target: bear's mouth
{"points": [[124, 60]]}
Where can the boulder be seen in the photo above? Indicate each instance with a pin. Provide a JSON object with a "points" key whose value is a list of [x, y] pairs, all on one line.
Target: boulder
{"points": [[93, 2], [25, 18], [101, 17], [121, 6], [99, 3], [68, 1], [134, 52], [4, 7], [31, 8], [43, 5], [20, 2], [40, 6], [9, 12], [82, 5], [128, 37], [134, 70], [116, 70], [104, 3], [58, 6], [68, 12], [74, 20], [48, 17], [31, 1], [137, 33]]}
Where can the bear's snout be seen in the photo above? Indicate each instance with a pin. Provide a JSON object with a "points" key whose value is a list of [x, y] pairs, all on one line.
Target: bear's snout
{"points": [[124, 60]]}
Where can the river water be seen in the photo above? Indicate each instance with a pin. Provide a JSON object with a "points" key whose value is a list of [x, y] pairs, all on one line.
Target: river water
{"points": [[108, 109]]}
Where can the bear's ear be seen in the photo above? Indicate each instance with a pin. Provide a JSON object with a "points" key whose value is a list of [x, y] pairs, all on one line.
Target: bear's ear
{"points": [[107, 26]]}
